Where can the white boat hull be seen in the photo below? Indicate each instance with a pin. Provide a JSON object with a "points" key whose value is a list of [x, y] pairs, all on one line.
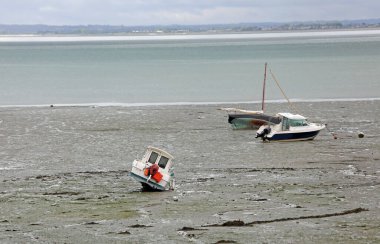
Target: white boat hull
{"points": [[299, 133], [137, 173]]}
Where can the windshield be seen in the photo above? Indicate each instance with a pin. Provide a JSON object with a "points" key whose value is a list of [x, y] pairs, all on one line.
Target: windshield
{"points": [[297, 122], [163, 161], [153, 157]]}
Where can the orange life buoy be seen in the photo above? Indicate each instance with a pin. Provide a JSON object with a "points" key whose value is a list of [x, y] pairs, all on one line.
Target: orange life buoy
{"points": [[153, 169]]}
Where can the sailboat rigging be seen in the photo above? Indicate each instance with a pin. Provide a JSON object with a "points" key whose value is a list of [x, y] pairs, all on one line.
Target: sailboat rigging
{"points": [[265, 78], [250, 119]]}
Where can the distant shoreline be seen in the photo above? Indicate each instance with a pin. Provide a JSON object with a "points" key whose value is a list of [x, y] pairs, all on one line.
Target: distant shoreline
{"points": [[189, 36], [243, 27]]}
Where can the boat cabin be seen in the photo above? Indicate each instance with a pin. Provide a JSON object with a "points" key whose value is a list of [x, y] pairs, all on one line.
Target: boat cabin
{"points": [[292, 120], [158, 156]]}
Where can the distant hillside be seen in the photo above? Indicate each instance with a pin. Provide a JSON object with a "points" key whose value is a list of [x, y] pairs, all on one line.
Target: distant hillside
{"points": [[243, 27]]}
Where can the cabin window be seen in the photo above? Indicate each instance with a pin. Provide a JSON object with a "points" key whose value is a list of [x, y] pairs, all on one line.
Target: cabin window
{"points": [[163, 162], [153, 157], [285, 124], [297, 122]]}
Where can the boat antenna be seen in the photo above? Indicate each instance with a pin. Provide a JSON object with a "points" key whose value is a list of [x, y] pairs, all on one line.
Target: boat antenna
{"points": [[265, 78], [282, 91]]}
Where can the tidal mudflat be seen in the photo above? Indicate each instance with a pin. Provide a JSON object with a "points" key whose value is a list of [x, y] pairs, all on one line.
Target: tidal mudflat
{"points": [[64, 177]]}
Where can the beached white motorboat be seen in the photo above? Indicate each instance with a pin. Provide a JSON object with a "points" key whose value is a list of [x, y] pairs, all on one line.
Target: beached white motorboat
{"points": [[155, 170], [292, 127]]}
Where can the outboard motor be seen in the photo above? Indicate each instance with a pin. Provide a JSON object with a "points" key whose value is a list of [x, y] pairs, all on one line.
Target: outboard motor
{"points": [[263, 131]]}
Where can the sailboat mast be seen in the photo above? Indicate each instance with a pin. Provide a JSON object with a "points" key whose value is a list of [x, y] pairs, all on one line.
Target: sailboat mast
{"points": [[265, 78]]}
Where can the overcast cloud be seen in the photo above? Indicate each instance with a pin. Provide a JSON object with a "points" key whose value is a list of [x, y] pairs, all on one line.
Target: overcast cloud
{"points": [[183, 12]]}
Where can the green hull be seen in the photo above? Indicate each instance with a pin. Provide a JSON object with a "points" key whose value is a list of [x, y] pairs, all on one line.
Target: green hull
{"points": [[245, 124]]}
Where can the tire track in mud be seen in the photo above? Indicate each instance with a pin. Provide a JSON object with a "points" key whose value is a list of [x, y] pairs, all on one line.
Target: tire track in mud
{"points": [[240, 223], [73, 174]]}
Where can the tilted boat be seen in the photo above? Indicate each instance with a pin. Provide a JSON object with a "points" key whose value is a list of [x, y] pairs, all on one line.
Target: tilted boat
{"points": [[291, 127], [155, 170], [246, 119]]}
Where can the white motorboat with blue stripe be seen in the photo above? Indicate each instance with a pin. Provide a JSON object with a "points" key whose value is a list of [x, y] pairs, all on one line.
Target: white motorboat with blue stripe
{"points": [[292, 127]]}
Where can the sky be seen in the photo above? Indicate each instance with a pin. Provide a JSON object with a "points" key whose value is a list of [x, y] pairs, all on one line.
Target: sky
{"points": [[181, 12]]}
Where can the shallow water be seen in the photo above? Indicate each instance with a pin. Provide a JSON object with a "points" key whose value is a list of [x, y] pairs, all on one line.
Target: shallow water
{"points": [[315, 66], [64, 176]]}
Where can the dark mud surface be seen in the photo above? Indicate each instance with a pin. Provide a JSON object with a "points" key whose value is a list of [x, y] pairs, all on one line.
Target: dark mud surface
{"points": [[64, 177]]}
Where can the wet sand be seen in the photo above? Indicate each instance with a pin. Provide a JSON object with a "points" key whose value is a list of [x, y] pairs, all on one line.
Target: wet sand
{"points": [[64, 177]]}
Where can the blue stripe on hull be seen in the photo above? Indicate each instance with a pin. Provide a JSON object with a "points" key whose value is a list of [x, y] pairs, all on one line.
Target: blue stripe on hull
{"points": [[301, 136]]}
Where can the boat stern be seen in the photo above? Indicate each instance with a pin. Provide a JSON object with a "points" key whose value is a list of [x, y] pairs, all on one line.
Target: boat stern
{"points": [[138, 173]]}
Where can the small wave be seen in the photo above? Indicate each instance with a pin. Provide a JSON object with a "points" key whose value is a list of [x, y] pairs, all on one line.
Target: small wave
{"points": [[153, 104], [336, 99], [160, 37]]}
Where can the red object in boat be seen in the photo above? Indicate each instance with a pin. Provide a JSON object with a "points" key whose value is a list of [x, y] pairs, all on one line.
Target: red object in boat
{"points": [[153, 169], [157, 177]]}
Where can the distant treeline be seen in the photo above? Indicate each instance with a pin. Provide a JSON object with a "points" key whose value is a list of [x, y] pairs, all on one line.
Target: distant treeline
{"points": [[218, 28]]}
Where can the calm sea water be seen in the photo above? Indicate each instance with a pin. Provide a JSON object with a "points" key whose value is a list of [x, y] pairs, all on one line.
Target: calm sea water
{"points": [[189, 70]]}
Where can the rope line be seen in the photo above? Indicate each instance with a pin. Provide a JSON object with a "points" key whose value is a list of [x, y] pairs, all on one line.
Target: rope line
{"points": [[292, 107]]}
